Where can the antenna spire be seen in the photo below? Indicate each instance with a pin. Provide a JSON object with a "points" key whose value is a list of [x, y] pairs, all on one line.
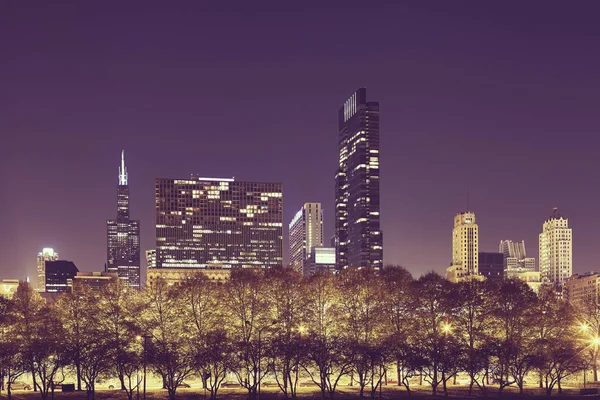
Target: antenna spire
{"points": [[123, 170]]}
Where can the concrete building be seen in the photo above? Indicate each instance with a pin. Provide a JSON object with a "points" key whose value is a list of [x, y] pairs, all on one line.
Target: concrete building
{"points": [[123, 236], [218, 223], [47, 254], [321, 259], [491, 266], [556, 250], [582, 290], [305, 233], [60, 275], [465, 249], [358, 237]]}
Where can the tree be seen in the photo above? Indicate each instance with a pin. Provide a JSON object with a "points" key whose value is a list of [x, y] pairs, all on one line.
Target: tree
{"points": [[48, 351], [170, 352], [435, 309], [284, 292], [362, 315], [398, 312], [474, 329], [27, 306], [328, 358], [120, 316], [514, 336], [250, 325]]}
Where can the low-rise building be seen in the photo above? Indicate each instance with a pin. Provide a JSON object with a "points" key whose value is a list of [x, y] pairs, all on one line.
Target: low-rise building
{"points": [[582, 290], [96, 280], [174, 276]]}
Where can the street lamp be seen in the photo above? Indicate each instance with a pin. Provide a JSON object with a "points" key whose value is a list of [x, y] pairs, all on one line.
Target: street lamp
{"points": [[145, 337]]}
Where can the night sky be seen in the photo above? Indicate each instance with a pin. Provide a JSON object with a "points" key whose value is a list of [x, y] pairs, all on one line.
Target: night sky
{"points": [[500, 99]]}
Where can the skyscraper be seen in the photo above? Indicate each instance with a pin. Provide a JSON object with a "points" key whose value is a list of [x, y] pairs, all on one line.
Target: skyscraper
{"points": [[358, 238], [556, 251], [305, 233], [491, 266], [47, 254], [465, 249], [218, 223], [123, 236]]}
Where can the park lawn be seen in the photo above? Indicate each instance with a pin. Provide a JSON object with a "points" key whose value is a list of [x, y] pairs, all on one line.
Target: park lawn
{"points": [[312, 393]]}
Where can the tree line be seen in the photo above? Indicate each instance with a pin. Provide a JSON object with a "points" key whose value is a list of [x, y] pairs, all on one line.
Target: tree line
{"points": [[362, 326]]}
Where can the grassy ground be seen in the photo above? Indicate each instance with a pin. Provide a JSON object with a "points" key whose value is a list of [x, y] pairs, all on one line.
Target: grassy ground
{"points": [[345, 393]]}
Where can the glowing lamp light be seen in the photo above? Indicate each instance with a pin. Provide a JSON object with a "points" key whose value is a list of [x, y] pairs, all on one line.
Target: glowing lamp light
{"points": [[584, 326], [446, 328], [596, 341]]}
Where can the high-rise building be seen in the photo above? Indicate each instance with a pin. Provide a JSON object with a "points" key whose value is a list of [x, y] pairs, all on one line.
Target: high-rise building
{"points": [[465, 249], [47, 254], [60, 275], [358, 237], [491, 266], [218, 223], [305, 233], [515, 256], [123, 236], [556, 251]]}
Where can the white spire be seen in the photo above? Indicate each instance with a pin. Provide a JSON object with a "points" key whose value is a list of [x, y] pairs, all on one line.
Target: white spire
{"points": [[122, 170]]}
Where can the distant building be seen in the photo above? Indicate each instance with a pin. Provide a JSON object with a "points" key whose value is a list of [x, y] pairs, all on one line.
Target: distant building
{"points": [[174, 276], [96, 280], [151, 258], [582, 290], [8, 287], [218, 223], [60, 275], [321, 259], [123, 236], [358, 237], [465, 249], [515, 257], [47, 254], [491, 266], [556, 250], [305, 233]]}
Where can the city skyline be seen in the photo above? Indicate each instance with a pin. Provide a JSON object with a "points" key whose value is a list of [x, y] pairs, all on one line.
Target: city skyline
{"points": [[456, 95]]}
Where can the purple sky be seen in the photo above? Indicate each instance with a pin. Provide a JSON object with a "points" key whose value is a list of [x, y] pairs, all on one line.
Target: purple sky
{"points": [[498, 98]]}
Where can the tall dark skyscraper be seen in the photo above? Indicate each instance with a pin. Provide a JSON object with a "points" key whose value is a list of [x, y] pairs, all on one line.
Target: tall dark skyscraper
{"points": [[123, 236], [218, 223], [358, 238]]}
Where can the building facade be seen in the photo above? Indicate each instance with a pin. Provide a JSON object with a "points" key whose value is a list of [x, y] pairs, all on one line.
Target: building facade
{"points": [[123, 236], [465, 249], [218, 223], [321, 259], [556, 250], [515, 256], [47, 254], [60, 275], [175, 276], [491, 266], [358, 237], [583, 291], [95, 280], [305, 233]]}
